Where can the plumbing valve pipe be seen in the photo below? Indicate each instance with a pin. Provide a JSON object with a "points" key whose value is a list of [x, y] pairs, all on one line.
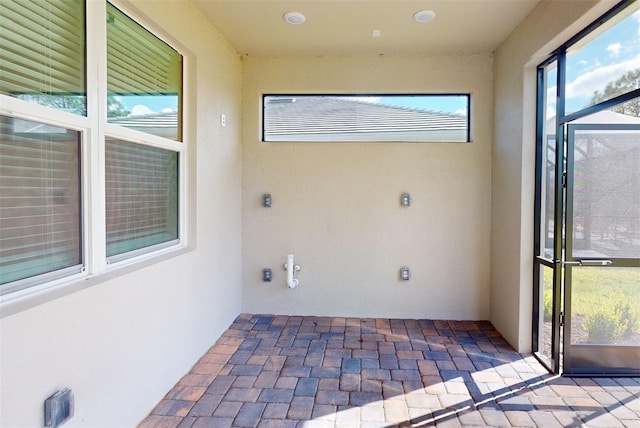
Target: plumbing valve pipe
{"points": [[291, 268]]}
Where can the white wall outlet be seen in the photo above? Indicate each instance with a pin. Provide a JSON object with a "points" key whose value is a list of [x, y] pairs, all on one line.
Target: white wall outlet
{"points": [[223, 120]]}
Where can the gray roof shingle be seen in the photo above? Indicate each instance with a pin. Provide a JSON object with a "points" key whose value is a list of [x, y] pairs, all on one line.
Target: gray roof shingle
{"points": [[327, 118]]}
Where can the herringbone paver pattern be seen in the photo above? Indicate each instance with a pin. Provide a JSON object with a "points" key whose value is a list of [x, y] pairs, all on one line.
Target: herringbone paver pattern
{"points": [[280, 371]]}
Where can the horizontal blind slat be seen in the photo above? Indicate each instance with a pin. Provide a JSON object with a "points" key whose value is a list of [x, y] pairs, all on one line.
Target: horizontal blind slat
{"points": [[42, 52], [137, 61], [39, 199], [141, 187]]}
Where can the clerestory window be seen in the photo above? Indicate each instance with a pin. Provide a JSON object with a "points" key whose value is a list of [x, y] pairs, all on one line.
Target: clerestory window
{"points": [[367, 118]]}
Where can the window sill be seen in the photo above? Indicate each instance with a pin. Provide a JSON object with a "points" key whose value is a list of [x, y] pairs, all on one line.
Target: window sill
{"points": [[29, 298]]}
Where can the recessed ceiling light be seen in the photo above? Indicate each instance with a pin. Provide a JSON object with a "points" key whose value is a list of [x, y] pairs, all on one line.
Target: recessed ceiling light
{"points": [[294, 18], [376, 34], [424, 16]]}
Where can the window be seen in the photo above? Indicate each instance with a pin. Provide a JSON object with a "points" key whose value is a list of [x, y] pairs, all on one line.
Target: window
{"points": [[587, 200], [40, 225], [42, 53], [145, 73], [599, 68], [141, 181], [409, 118], [53, 224], [142, 196], [594, 78]]}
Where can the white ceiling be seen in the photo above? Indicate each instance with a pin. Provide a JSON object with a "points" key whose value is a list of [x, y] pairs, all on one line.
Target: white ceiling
{"points": [[256, 27]]}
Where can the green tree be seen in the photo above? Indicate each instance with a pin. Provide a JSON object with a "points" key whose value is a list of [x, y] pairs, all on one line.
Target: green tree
{"points": [[76, 103], [627, 83], [115, 108], [71, 103]]}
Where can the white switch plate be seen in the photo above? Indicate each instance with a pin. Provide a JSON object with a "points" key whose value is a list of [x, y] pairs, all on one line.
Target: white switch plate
{"points": [[223, 120]]}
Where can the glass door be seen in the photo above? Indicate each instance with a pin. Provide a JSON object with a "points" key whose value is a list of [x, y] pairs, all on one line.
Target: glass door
{"points": [[602, 247], [549, 220], [586, 265]]}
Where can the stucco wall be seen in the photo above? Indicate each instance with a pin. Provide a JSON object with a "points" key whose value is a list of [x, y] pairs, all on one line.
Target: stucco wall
{"points": [[336, 206], [548, 26], [120, 345]]}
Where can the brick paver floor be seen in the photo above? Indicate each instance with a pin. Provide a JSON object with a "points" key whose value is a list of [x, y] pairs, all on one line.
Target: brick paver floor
{"points": [[288, 371]]}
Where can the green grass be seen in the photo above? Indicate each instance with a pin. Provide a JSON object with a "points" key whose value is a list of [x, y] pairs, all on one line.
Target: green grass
{"points": [[594, 287], [607, 298]]}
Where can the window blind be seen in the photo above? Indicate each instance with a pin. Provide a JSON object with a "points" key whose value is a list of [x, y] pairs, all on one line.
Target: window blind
{"points": [[42, 52], [137, 61], [40, 226], [142, 196], [146, 73]]}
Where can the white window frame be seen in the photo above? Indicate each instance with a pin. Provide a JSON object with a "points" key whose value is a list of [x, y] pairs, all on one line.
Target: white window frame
{"points": [[95, 129], [20, 109]]}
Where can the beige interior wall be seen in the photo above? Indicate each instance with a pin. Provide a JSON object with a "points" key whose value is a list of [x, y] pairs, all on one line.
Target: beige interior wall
{"points": [[548, 26], [121, 344], [336, 206]]}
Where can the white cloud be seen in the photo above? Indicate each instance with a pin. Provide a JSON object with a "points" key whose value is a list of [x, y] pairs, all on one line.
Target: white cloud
{"points": [[614, 49], [461, 111], [167, 110], [550, 111], [587, 83], [552, 93], [139, 110]]}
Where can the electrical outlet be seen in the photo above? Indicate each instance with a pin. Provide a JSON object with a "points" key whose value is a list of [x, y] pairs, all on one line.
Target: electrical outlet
{"points": [[58, 408], [223, 120]]}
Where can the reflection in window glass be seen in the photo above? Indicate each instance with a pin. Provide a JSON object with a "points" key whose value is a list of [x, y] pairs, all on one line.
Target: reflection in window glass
{"points": [[606, 66], [42, 53], [142, 196], [144, 78], [410, 118], [545, 311], [548, 160], [39, 199], [550, 96]]}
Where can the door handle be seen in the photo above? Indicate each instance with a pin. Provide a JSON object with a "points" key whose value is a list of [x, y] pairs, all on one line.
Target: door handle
{"points": [[587, 262], [595, 262]]}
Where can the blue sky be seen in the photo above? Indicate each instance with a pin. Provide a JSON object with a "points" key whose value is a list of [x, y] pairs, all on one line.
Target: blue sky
{"points": [[600, 61], [149, 103], [450, 104], [445, 103]]}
